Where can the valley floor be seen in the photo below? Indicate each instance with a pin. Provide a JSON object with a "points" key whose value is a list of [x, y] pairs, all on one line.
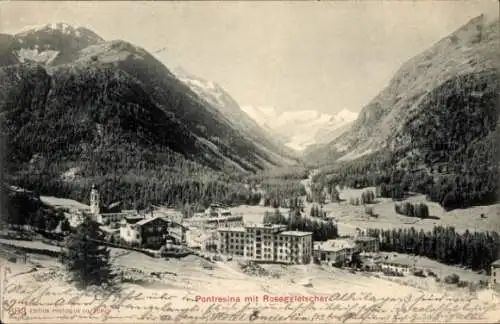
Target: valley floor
{"points": [[180, 281], [349, 217], [172, 285]]}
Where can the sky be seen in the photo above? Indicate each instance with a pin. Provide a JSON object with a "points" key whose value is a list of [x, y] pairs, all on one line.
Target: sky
{"points": [[302, 55]]}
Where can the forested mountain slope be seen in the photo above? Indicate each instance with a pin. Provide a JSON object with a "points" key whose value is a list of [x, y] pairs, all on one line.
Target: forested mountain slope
{"points": [[76, 109], [434, 128], [219, 98]]}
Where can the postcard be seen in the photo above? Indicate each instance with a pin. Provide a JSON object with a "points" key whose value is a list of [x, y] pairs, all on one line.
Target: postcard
{"points": [[249, 162]]}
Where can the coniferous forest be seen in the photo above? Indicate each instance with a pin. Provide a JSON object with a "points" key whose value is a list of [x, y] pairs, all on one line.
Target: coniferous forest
{"points": [[449, 152], [474, 250], [322, 230], [97, 125]]}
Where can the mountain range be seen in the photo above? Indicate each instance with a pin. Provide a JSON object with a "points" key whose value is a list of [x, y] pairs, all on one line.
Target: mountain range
{"points": [[433, 129], [468, 58], [71, 100], [216, 96], [110, 112], [304, 128], [61, 48]]}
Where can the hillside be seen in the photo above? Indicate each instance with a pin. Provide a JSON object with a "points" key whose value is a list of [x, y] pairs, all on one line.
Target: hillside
{"points": [[7, 54], [110, 113], [219, 98], [21, 207], [435, 120]]}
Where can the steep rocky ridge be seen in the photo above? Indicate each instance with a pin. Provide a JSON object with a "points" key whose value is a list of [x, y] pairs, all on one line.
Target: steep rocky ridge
{"points": [[219, 98], [433, 129], [109, 112], [471, 49]]}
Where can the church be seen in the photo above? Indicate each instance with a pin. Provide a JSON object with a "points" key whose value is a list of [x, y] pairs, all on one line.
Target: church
{"points": [[136, 229], [106, 218]]}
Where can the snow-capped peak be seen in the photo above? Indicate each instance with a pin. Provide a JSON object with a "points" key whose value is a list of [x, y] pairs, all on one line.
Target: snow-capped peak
{"points": [[62, 27], [301, 127], [53, 43], [344, 116]]}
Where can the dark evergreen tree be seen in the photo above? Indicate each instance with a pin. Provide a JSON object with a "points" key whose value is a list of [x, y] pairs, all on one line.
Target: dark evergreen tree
{"points": [[322, 230], [473, 250], [85, 258], [65, 226]]}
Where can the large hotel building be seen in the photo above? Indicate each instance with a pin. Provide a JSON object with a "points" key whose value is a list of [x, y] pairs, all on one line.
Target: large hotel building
{"points": [[266, 243]]}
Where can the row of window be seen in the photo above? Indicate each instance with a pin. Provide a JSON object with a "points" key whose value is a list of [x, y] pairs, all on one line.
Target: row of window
{"points": [[401, 269], [265, 237], [285, 244], [241, 245], [258, 245], [267, 256], [137, 235], [238, 248]]}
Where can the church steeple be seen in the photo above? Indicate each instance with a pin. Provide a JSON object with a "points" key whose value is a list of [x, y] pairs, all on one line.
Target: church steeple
{"points": [[94, 201]]}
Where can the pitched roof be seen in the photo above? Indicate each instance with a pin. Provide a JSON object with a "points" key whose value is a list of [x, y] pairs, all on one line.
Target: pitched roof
{"points": [[115, 204], [133, 219], [265, 226], [147, 220], [109, 230], [295, 233], [334, 245], [496, 263], [131, 216], [178, 224], [400, 260], [231, 229]]}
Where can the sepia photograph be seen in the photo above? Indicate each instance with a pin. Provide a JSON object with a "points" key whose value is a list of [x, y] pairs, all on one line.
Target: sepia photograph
{"points": [[249, 162]]}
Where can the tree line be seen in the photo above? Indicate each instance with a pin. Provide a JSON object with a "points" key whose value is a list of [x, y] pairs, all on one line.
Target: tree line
{"points": [[317, 211], [452, 156], [25, 208], [367, 197], [419, 210], [321, 230], [282, 192], [475, 250], [293, 172], [99, 127]]}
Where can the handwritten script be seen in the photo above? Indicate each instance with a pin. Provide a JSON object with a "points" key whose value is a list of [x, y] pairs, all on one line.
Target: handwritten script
{"points": [[37, 301]]}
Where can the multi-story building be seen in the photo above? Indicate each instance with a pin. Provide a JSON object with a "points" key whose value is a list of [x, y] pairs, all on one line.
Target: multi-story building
{"points": [[401, 264], [495, 275], [294, 247], [367, 243], [150, 232], [334, 252], [106, 218], [129, 230], [235, 241], [177, 231], [115, 218], [266, 243], [215, 222], [215, 210]]}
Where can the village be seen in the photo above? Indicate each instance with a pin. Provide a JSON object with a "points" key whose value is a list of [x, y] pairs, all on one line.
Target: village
{"points": [[229, 235]]}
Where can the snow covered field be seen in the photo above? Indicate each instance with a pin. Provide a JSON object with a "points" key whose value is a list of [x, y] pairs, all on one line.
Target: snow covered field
{"points": [[192, 289]]}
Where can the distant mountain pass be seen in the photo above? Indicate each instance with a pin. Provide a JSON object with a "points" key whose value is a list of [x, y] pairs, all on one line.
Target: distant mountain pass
{"points": [[300, 129]]}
